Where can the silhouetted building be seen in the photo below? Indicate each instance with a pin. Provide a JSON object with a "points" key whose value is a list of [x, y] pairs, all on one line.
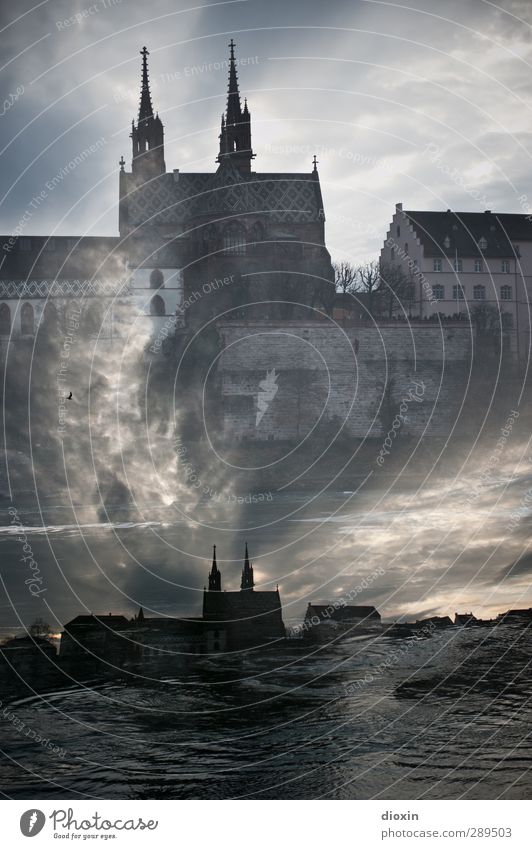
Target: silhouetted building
{"points": [[464, 619], [249, 617], [435, 622], [523, 615], [27, 653], [91, 637], [325, 622]]}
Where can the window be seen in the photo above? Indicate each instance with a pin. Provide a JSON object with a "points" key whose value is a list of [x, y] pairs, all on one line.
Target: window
{"points": [[156, 279], [392, 254], [398, 231], [458, 293], [437, 264], [457, 264], [27, 324], [447, 242], [156, 305], [478, 265], [505, 266], [506, 293], [5, 320], [234, 239], [479, 293], [24, 244], [482, 243], [438, 292], [257, 233], [406, 248]]}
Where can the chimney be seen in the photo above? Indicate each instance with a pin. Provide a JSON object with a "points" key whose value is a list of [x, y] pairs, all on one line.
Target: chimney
{"points": [[398, 207]]}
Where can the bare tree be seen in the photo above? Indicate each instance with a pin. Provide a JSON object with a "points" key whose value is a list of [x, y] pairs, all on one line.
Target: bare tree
{"points": [[368, 281], [40, 628], [345, 277], [396, 289], [489, 323]]}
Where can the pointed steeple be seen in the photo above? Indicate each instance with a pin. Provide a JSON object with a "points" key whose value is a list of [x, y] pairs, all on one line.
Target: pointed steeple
{"points": [[145, 108], [234, 111], [215, 576], [148, 135], [247, 582], [235, 136]]}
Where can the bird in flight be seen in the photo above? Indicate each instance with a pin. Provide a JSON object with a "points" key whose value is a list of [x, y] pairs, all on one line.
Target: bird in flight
{"points": [[69, 397]]}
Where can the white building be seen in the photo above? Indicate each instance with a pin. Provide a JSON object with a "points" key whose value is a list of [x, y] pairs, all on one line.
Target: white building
{"points": [[460, 260]]}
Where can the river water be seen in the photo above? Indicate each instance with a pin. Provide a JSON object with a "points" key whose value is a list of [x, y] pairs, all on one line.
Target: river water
{"points": [[443, 717]]}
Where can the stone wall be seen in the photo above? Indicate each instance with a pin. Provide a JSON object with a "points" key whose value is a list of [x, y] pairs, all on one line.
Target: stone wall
{"points": [[289, 380]]}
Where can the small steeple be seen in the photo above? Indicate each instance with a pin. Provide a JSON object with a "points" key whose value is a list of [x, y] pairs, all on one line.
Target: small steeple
{"points": [[247, 582], [140, 616], [235, 136], [215, 576]]}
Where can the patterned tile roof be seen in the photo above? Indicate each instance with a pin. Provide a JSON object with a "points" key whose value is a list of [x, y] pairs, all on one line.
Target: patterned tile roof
{"points": [[173, 199]]}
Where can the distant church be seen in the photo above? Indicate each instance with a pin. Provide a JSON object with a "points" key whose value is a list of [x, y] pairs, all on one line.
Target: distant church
{"points": [[264, 232], [249, 617]]}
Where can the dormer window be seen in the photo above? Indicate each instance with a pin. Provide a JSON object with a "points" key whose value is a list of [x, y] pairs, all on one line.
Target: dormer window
{"points": [[447, 242], [482, 243]]}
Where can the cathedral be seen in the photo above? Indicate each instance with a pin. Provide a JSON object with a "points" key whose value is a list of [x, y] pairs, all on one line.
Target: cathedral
{"points": [[249, 617], [181, 235]]}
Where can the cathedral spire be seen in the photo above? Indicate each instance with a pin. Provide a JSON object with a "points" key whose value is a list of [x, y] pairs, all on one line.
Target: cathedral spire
{"points": [[148, 136], [235, 136], [215, 576], [234, 111], [247, 582], [145, 107]]}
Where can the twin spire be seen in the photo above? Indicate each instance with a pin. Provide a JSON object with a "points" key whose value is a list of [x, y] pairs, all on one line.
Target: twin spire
{"points": [[235, 134], [148, 134], [215, 576]]}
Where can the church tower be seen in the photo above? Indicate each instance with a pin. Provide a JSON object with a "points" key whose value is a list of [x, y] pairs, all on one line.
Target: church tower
{"points": [[215, 576], [148, 136], [247, 582], [235, 135]]}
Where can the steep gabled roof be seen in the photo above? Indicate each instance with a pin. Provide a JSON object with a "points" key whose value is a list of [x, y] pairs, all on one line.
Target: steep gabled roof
{"points": [[459, 233], [99, 621], [340, 614]]}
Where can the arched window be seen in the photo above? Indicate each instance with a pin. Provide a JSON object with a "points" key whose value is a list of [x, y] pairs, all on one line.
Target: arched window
{"points": [[27, 319], [234, 239], [257, 233], [479, 293], [482, 243], [5, 320], [156, 279], [156, 305]]}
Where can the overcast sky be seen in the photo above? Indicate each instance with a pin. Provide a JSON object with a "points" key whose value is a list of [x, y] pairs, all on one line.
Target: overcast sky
{"points": [[368, 85]]}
